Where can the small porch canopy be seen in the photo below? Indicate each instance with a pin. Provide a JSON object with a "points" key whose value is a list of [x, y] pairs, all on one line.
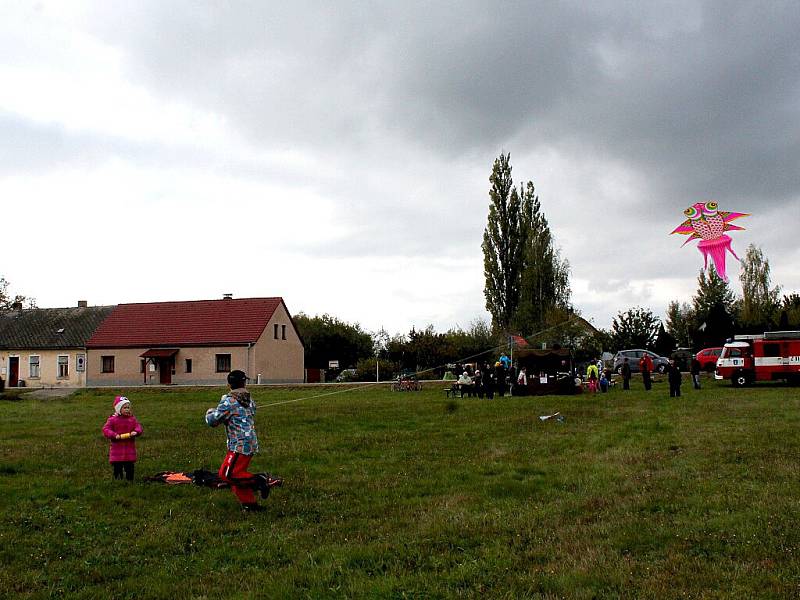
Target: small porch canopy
{"points": [[159, 353]]}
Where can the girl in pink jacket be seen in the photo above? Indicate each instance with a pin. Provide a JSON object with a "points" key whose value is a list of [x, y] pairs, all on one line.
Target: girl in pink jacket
{"points": [[122, 429]]}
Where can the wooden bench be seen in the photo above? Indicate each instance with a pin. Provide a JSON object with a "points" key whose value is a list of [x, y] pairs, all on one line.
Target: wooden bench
{"points": [[453, 389]]}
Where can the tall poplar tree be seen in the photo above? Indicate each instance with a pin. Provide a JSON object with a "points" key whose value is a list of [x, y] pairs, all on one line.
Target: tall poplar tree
{"points": [[503, 244], [544, 276], [527, 281], [759, 301]]}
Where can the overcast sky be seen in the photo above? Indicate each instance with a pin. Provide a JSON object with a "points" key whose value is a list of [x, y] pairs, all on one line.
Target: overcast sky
{"points": [[338, 154]]}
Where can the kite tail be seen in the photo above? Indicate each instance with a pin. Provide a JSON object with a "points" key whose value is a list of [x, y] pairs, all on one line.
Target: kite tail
{"points": [[716, 248]]}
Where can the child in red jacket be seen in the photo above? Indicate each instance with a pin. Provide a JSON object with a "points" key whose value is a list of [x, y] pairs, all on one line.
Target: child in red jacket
{"points": [[122, 428]]}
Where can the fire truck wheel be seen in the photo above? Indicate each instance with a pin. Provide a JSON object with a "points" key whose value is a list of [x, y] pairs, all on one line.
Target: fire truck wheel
{"points": [[740, 380]]}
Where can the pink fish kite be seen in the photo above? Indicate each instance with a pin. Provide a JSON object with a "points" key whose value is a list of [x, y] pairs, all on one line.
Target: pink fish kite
{"points": [[709, 224]]}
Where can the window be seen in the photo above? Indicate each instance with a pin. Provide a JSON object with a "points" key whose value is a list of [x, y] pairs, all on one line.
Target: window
{"points": [[283, 332], [63, 366], [223, 363], [276, 331], [188, 365], [772, 350], [734, 353], [33, 361], [108, 364]]}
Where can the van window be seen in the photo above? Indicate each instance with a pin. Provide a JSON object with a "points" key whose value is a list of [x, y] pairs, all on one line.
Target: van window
{"points": [[734, 353], [772, 349]]}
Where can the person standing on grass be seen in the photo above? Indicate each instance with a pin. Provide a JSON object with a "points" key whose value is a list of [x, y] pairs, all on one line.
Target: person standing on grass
{"points": [[122, 429], [695, 370], [646, 367], [625, 371], [488, 381], [674, 377], [592, 376], [477, 381], [237, 411], [499, 378]]}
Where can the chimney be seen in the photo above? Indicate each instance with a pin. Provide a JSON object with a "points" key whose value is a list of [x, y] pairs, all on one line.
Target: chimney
{"points": [[227, 296], [83, 303]]}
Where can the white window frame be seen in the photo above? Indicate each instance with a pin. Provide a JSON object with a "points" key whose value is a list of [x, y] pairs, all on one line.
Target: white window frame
{"points": [[38, 366], [64, 364]]}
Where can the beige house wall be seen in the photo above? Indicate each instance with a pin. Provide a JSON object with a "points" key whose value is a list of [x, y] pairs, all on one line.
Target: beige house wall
{"points": [[278, 360], [48, 367], [128, 361]]}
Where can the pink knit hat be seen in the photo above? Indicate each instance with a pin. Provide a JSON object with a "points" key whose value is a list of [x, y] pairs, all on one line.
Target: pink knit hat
{"points": [[119, 402]]}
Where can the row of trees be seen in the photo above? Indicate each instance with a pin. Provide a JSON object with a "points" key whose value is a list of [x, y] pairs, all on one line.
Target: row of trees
{"points": [[327, 338]]}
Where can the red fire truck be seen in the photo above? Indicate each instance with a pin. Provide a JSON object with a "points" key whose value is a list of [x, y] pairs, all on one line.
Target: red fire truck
{"points": [[748, 358]]}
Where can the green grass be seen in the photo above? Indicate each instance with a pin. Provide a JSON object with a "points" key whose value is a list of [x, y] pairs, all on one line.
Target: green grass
{"points": [[412, 495]]}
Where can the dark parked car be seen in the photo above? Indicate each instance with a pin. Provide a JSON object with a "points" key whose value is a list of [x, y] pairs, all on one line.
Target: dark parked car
{"points": [[660, 363], [683, 358], [708, 358]]}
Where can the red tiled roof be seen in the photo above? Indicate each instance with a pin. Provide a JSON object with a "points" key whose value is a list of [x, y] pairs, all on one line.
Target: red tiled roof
{"points": [[192, 323], [519, 341]]}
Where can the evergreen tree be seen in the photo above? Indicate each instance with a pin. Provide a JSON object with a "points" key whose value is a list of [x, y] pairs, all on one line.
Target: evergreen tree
{"points": [[759, 302], [713, 306], [503, 245], [635, 328], [680, 318], [665, 342], [790, 311]]}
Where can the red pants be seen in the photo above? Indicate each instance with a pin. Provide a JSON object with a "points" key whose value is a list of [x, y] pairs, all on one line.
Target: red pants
{"points": [[234, 471]]}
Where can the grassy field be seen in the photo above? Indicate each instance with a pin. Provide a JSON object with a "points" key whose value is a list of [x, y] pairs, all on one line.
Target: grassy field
{"points": [[410, 495]]}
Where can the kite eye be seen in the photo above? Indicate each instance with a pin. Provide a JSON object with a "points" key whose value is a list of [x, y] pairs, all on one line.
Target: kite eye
{"points": [[710, 208], [692, 213]]}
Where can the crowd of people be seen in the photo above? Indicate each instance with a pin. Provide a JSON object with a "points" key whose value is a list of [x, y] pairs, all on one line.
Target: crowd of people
{"points": [[598, 376], [489, 380], [505, 378]]}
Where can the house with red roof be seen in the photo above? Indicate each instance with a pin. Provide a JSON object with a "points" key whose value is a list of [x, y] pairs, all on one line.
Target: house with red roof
{"points": [[195, 343]]}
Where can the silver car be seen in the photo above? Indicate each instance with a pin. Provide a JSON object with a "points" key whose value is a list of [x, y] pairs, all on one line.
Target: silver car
{"points": [[660, 363]]}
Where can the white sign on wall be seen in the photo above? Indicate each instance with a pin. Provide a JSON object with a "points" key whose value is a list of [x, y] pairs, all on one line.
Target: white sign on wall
{"points": [[333, 364]]}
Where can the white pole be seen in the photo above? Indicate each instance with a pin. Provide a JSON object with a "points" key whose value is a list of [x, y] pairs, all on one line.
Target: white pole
{"points": [[377, 371]]}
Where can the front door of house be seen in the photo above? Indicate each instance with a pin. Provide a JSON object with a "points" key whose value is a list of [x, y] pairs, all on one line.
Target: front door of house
{"points": [[13, 371], [164, 371]]}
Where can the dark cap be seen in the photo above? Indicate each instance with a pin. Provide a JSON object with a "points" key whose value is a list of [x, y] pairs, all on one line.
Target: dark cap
{"points": [[237, 378]]}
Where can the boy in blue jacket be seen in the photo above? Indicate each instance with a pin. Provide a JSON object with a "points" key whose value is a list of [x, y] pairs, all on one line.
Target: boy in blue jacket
{"points": [[237, 411]]}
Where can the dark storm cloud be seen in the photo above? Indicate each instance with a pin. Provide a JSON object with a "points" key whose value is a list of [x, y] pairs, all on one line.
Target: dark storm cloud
{"points": [[703, 97]]}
